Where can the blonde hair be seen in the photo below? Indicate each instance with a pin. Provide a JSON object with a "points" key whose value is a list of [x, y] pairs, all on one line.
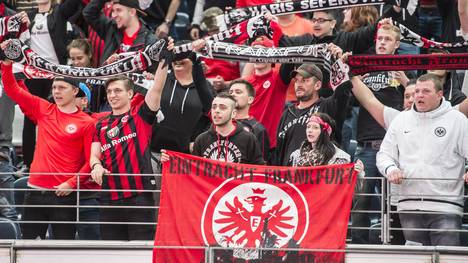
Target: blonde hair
{"points": [[394, 29]]}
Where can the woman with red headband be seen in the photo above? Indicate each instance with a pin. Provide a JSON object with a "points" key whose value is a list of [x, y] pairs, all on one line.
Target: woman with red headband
{"points": [[318, 148]]}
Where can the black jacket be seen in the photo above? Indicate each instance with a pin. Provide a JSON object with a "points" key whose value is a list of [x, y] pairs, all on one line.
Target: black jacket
{"points": [[358, 42], [240, 147], [452, 89], [293, 122], [255, 127], [182, 106], [57, 25], [107, 29]]}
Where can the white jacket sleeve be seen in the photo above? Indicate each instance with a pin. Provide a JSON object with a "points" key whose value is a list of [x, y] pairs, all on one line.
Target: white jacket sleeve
{"points": [[387, 157], [198, 13], [463, 141]]}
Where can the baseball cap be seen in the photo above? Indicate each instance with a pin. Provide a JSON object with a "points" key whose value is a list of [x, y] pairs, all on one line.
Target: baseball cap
{"points": [[308, 70], [209, 22], [84, 91], [75, 83], [139, 6]]}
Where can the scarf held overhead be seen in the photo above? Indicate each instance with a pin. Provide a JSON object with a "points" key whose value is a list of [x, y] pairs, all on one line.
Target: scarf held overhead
{"points": [[22, 71], [238, 15], [21, 53]]}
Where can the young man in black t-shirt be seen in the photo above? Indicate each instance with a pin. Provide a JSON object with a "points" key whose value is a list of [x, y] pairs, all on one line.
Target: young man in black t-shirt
{"points": [[227, 140], [244, 93], [388, 88], [121, 146]]}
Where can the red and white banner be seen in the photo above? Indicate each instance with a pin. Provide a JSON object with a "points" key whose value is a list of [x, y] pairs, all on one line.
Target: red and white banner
{"points": [[243, 207]]}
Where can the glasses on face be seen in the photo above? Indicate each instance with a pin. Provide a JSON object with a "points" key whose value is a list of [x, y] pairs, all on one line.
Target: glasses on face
{"points": [[320, 20]]}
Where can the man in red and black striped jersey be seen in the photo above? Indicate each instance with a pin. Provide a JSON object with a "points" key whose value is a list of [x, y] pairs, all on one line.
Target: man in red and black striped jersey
{"points": [[120, 154]]}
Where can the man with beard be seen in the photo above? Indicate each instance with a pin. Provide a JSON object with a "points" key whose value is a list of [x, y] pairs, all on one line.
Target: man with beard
{"points": [[125, 32], [292, 127], [244, 93], [226, 140]]}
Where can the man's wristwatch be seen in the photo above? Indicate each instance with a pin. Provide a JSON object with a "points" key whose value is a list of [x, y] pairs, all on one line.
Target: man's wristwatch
{"points": [[168, 22]]}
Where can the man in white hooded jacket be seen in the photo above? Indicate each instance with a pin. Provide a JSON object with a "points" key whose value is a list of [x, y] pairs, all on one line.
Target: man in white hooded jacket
{"points": [[425, 150]]}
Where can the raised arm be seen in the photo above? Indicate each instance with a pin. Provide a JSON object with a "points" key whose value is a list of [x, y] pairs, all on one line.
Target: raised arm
{"points": [[69, 8], [153, 96], [367, 99], [463, 14], [197, 18], [199, 78], [29, 104], [163, 29], [94, 16]]}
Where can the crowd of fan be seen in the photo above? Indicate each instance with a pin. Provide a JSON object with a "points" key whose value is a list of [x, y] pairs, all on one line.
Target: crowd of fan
{"points": [[258, 113]]}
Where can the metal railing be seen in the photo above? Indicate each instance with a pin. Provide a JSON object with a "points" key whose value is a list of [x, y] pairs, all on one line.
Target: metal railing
{"points": [[382, 215]]}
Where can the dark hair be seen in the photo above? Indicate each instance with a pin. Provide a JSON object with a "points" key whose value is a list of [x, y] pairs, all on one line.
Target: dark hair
{"points": [[324, 143], [435, 79], [128, 83], [333, 14], [225, 95], [84, 45], [248, 86]]}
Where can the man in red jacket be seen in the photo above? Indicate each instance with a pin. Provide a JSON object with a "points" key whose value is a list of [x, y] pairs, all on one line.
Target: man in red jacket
{"points": [[63, 146]]}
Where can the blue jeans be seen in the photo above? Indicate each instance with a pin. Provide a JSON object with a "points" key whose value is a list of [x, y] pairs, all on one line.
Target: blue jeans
{"points": [[7, 182], [349, 131], [432, 221], [430, 23], [367, 155], [89, 231]]}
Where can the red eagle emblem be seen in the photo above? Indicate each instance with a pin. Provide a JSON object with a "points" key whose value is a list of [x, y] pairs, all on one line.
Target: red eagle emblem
{"points": [[252, 225]]}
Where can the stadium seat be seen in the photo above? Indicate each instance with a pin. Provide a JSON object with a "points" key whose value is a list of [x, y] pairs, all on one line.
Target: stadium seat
{"points": [[21, 183], [181, 23], [8, 229], [464, 236]]}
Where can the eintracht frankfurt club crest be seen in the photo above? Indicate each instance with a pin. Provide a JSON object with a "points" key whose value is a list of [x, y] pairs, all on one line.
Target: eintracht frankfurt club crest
{"points": [[253, 214]]}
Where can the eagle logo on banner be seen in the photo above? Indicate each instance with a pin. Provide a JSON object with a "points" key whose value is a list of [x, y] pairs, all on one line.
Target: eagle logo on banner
{"points": [[254, 214]]}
